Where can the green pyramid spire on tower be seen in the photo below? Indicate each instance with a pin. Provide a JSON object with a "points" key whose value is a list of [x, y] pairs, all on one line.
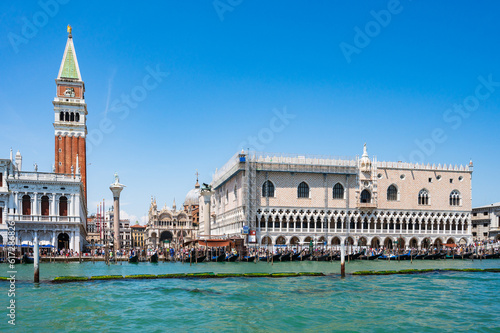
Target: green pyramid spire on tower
{"points": [[69, 65], [69, 68]]}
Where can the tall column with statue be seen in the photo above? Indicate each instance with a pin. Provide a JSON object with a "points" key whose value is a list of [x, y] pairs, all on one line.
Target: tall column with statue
{"points": [[206, 193], [116, 188]]}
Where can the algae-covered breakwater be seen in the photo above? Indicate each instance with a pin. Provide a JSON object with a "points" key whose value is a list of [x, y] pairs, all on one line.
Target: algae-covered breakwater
{"points": [[207, 275], [210, 275], [421, 271]]}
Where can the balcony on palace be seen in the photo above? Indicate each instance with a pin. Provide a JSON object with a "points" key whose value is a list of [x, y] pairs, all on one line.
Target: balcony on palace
{"points": [[45, 176], [367, 205], [44, 218]]}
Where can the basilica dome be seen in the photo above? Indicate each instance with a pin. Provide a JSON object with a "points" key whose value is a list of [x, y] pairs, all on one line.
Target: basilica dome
{"points": [[192, 197]]}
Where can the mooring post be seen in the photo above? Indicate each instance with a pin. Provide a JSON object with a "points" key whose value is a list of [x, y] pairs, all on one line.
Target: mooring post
{"points": [[36, 260], [342, 260]]}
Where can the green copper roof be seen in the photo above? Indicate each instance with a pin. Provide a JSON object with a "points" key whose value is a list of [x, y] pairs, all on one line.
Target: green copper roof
{"points": [[69, 68]]}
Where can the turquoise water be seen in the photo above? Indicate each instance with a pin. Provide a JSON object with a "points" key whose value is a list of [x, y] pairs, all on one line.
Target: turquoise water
{"points": [[433, 302]]}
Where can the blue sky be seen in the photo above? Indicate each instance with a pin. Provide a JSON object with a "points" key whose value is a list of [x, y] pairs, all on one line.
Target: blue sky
{"points": [[233, 64]]}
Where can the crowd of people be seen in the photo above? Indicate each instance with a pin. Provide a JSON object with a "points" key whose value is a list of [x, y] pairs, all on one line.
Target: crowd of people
{"points": [[181, 253]]}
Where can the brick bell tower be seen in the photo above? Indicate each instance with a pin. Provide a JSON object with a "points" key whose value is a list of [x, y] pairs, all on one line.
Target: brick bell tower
{"points": [[70, 112]]}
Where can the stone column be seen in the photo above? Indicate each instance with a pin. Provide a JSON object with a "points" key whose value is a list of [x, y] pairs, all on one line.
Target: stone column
{"points": [[34, 205], [207, 194], [52, 211], [116, 188]]}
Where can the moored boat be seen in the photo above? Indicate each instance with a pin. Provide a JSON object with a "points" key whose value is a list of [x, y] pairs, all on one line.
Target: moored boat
{"points": [[219, 258], [355, 256], [232, 258], [373, 257], [154, 258], [323, 257], [304, 257], [432, 256], [27, 260], [134, 258]]}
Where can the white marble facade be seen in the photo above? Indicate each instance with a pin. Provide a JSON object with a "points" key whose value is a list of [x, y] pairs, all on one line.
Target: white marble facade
{"points": [[47, 205]]}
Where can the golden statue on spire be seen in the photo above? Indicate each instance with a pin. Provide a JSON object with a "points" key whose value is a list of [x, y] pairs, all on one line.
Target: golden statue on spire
{"points": [[69, 29]]}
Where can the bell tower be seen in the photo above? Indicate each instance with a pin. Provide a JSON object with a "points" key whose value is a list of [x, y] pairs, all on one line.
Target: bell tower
{"points": [[70, 117]]}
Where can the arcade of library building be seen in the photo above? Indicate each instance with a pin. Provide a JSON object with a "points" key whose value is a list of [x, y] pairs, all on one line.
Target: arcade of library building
{"points": [[292, 199]]}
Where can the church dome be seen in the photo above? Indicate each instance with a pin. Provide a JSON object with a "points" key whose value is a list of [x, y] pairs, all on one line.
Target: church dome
{"points": [[192, 198]]}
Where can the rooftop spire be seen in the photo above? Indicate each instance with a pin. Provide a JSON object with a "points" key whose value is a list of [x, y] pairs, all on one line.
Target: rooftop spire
{"points": [[197, 185], [69, 65]]}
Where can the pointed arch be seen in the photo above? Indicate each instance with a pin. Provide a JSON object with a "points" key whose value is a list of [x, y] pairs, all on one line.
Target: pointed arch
{"points": [[423, 197], [455, 198], [268, 189], [392, 193], [366, 196], [303, 190], [338, 191]]}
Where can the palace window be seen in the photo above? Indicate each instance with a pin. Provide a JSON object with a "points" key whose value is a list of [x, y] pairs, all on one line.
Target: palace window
{"points": [[366, 196], [338, 191], [63, 206], [45, 206], [423, 197], [26, 205], [455, 198], [268, 189], [303, 190], [392, 193]]}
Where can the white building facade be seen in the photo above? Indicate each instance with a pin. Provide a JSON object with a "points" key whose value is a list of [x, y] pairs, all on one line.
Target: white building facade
{"points": [[50, 206], [293, 199], [486, 222]]}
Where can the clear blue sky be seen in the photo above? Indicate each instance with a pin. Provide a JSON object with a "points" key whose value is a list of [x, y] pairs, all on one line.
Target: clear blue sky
{"points": [[231, 66]]}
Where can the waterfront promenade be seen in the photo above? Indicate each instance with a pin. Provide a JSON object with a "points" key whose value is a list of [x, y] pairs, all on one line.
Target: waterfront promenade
{"points": [[431, 302]]}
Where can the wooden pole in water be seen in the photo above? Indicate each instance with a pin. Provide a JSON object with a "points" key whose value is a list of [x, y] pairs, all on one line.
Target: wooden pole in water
{"points": [[342, 260], [36, 260]]}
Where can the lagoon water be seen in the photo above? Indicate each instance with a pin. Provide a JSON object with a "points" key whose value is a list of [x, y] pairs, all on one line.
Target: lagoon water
{"points": [[432, 302]]}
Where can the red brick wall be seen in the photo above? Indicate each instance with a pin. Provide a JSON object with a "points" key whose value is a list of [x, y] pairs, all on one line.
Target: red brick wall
{"points": [[70, 146]]}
